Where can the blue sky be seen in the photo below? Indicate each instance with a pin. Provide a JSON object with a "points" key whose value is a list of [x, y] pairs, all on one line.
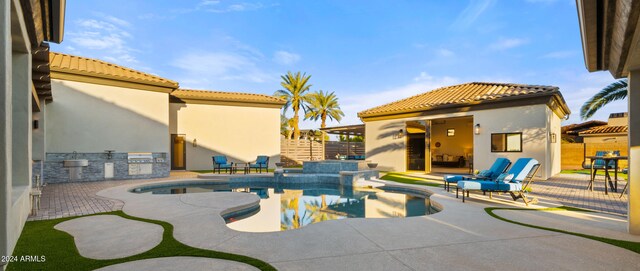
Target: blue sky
{"points": [[368, 52]]}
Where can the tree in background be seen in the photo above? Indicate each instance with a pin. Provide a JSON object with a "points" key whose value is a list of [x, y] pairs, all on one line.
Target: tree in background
{"points": [[294, 92], [285, 126], [613, 92], [322, 105], [343, 138]]}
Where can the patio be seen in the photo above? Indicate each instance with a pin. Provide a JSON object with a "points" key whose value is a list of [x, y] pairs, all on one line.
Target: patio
{"points": [[417, 243]]}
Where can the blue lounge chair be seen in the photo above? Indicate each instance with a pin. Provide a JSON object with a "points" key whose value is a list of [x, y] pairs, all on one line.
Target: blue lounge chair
{"points": [[220, 162], [515, 181], [498, 167], [261, 162]]}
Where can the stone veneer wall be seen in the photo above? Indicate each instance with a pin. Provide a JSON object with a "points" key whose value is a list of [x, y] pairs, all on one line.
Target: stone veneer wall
{"points": [[55, 172]]}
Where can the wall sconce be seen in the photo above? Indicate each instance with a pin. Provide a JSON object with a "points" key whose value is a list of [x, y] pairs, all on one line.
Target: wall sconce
{"points": [[195, 143], [553, 138], [36, 124], [109, 154], [400, 133], [477, 129]]}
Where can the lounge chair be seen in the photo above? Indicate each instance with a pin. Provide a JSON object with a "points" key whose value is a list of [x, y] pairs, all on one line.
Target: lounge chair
{"points": [[498, 167], [261, 162], [515, 181], [220, 162]]}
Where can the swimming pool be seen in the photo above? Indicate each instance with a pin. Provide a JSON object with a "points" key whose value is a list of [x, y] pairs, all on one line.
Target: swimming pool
{"points": [[293, 206]]}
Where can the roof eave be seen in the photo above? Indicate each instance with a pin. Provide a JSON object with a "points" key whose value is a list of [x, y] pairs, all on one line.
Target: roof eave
{"points": [[228, 102], [554, 94], [84, 77]]}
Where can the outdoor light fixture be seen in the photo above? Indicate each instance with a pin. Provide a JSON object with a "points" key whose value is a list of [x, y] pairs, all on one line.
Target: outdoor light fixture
{"points": [[553, 137], [400, 133], [35, 124], [477, 130], [195, 143]]}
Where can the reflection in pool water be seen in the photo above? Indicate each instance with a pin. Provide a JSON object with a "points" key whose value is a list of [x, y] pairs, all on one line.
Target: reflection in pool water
{"points": [[286, 207]]}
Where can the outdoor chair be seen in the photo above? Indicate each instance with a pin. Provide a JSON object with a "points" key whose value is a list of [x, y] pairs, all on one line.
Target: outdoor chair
{"points": [[600, 164], [516, 181], [220, 162], [261, 162], [498, 167]]}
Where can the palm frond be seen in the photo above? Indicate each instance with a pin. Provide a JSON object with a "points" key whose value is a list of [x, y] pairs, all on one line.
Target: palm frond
{"points": [[613, 92]]}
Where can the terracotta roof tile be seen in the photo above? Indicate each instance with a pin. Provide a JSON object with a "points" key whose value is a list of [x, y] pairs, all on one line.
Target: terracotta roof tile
{"points": [[606, 129], [463, 94], [97, 68], [225, 96]]}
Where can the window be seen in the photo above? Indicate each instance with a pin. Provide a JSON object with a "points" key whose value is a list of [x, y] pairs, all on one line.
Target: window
{"points": [[506, 142], [451, 132]]}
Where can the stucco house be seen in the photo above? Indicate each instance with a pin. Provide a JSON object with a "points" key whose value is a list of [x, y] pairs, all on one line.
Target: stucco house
{"points": [[125, 124], [238, 125], [476, 122], [615, 131], [24, 88]]}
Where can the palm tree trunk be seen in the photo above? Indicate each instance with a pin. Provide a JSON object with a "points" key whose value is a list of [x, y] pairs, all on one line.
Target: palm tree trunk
{"points": [[296, 130]]}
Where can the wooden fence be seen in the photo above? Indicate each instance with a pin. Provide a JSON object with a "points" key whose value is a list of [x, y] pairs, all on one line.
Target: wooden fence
{"points": [[294, 153], [573, 153]]}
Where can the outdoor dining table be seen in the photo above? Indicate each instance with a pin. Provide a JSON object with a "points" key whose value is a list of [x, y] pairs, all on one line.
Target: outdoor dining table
{"points": [[607, 176]]}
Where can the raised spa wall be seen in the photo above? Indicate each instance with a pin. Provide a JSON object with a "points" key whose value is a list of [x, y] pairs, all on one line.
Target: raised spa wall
{"points": [[345, 173], [54, 170]]}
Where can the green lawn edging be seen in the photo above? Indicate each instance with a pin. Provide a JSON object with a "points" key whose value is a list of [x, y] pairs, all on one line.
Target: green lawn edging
{"points": [[406, 179], [40, 238], [629, 245]]}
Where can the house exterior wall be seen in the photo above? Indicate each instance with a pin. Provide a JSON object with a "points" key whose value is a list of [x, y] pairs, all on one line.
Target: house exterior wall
{"points": [[239, 132], [554, 149], [15, 125], [605, 139], [534, 121], [93, 118]]}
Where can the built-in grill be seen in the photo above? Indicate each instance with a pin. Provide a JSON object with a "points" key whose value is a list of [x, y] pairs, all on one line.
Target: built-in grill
{"points": [[140, 158]]}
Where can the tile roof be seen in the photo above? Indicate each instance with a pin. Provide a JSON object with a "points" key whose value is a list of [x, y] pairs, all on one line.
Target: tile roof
{"points": [[71, 64], [222, 96], [606, 129], [579, 127], [463, 94]]}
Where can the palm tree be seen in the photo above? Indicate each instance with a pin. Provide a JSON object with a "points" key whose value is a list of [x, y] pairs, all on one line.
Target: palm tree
{"points": [[613, 92], [295, 88], [322, 105]]}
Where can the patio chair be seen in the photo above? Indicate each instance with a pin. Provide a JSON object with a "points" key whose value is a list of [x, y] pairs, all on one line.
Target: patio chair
{"points": [[498, 167], [261, 162], [516, 181], [220, 162]]}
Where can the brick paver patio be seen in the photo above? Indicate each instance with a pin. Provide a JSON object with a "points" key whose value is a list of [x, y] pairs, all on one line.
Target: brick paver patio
{"points": [[74, 199], [571, 190]]}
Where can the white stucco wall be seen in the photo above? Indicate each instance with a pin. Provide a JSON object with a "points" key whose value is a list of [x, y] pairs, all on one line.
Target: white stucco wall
{"points": [[241, 133], [87, 117], [533, 121]]}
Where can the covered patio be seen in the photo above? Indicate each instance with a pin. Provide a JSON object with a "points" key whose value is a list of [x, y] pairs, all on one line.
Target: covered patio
{"points": [[348, 131]]}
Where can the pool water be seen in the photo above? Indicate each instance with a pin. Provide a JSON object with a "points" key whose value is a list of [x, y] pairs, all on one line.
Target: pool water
{"points": [[287, 207]]}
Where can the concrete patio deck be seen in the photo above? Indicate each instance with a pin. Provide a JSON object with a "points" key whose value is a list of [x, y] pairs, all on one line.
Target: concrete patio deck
{"points": [[456, 238]]}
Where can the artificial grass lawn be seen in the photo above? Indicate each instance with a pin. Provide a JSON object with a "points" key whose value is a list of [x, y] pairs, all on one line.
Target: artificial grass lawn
{"points": [[406, 179], [39, 238], [599, 173], [633, 246]]}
